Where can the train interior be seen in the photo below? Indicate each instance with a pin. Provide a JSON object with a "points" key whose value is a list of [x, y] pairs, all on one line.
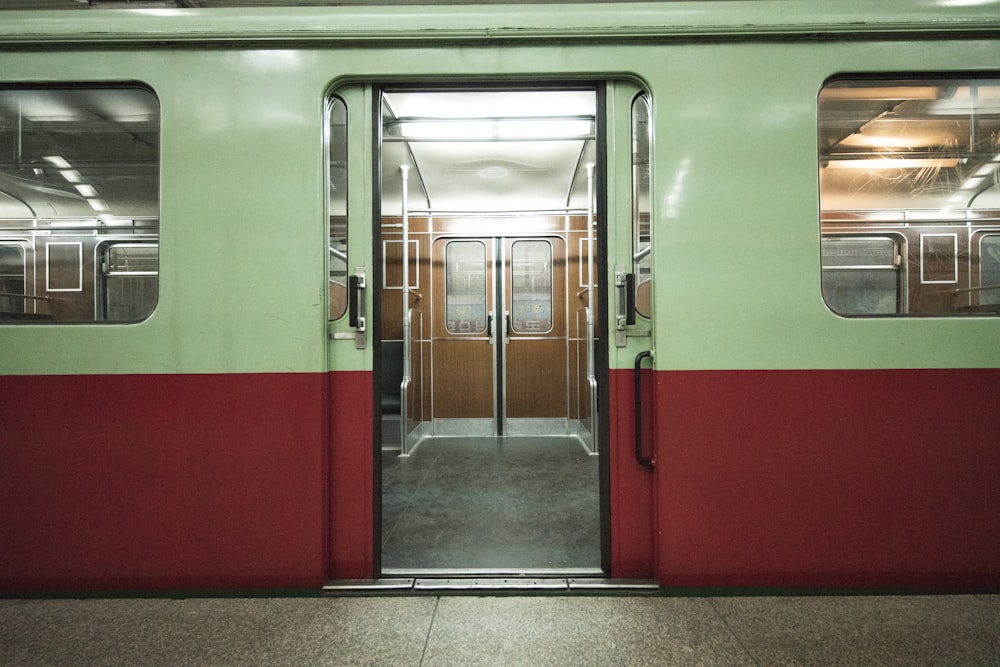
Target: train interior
{"points": [[488, 243]]}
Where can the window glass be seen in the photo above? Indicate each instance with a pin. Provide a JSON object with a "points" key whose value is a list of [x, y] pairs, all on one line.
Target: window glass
{"points": [[130, 271], [989, 270], [909, 167], [83, 177], [336, 115], [640, 205], [531, 287], [860, 276], [465, 287], [11, 280]]}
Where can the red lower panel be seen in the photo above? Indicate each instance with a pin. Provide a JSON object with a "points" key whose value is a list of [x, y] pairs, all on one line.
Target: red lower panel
{"points": [[162, 481], [631, 484], [351, 476], [828, 478]]}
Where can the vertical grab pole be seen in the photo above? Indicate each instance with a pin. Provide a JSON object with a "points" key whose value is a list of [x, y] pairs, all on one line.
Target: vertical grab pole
{"points": [[405, 172], [639, 455], [407, 333], [590, 235], [591, 309]]}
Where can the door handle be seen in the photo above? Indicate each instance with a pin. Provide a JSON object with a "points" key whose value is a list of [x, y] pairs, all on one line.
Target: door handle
{"points": [[357, 316], [639, 455], [625, 303], [489, 326]]}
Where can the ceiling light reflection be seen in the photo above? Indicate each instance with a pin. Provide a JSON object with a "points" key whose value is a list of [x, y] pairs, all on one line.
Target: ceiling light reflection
{"points": [[894, 163]]}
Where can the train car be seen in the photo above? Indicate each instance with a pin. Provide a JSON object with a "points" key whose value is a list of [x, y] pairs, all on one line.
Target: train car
{"points": [[703, 294]]}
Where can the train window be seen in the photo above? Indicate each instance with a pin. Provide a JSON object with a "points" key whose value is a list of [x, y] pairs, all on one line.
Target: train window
{"points": [[912, 163], [336, 114], [531, 287], [465, 287], [12, 272], [989, 270], [83, 177], [861, 275], [641, 247], [130, 279]]}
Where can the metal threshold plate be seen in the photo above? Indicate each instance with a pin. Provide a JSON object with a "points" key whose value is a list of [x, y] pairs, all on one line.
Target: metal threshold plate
{"points": [[471, 583], [345, 585], [490, 583]]}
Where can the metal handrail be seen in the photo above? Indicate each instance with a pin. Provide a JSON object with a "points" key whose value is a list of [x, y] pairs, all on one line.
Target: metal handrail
{"points": [[639, 455]]}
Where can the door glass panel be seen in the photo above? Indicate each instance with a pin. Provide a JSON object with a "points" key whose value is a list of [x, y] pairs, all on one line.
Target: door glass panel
{"points": [[465, 285], [336, 112], [641, 205], [531, 287]]}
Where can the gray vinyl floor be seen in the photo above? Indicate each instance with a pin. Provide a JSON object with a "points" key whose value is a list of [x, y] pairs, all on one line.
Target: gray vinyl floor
{"points": [[504, 630], [493, 504]]}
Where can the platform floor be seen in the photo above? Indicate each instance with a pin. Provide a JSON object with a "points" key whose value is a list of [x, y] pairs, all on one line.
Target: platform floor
{"points": [[504, 630]]}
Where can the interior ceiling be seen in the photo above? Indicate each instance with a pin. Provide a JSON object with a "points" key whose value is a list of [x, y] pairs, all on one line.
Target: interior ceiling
{"points": [[453, 169]]}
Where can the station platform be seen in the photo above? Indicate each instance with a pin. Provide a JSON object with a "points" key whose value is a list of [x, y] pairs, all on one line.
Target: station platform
{"points": [[504, 629]]}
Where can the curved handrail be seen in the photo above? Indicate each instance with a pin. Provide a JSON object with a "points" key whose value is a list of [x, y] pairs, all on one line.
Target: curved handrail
{"points": [[639, 455]]}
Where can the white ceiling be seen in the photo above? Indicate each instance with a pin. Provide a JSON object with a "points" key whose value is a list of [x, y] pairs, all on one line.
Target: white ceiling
{"points": [[494, 175]]}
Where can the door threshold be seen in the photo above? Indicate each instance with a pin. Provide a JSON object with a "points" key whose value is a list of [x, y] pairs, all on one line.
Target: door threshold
{"points": [[488, 572], [454, 583]]}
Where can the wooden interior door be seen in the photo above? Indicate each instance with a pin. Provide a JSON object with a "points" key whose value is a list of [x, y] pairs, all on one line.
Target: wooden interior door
{"points": [[535, 368], [464, 376], [500, 363]]}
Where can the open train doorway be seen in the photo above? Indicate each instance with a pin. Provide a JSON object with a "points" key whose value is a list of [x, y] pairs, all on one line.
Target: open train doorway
{"points": [[489, 237]]}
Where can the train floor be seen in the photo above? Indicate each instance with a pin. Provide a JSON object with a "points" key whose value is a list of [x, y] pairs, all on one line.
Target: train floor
{"points": [[504, 630], [494, 504]]}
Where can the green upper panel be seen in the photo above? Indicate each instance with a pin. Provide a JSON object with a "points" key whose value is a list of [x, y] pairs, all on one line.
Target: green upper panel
{"points": [[734, 186]]}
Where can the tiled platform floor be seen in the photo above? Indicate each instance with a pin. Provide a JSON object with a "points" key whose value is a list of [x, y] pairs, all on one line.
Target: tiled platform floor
{"points": [[504, 630]]}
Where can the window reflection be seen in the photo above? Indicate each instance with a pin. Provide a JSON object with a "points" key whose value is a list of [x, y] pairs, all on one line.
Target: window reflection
{"points": [[916, 161]]}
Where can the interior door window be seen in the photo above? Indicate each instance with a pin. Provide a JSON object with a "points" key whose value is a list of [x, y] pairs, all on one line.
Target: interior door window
{"points": [[531, 287], [465, 287]]}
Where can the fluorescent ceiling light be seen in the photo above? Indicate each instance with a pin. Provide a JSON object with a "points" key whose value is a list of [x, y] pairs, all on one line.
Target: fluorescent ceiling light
{"points": [[98, 204], [880, 93], [894, 163], [86, 190], [859, 139], [71, 175], [447, 129], [509, 129], [57, 161], [555, 128]]}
